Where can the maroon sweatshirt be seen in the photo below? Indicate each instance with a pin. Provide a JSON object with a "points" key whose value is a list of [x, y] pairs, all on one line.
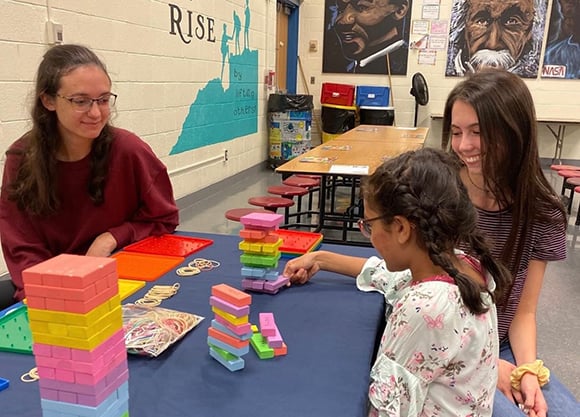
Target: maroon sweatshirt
{"points": [[138, 203]]}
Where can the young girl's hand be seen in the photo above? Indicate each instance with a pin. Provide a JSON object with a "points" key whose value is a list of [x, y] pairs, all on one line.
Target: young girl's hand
{"points": [[301, 269], [504, 382]]}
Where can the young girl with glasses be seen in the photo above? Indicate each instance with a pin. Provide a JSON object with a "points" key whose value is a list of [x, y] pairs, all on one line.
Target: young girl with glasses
{"points": [[439, 350], [73, 183]]}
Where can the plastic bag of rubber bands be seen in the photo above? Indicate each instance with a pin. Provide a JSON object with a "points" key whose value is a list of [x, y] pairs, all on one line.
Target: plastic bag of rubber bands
{"points": [[149, 331]]}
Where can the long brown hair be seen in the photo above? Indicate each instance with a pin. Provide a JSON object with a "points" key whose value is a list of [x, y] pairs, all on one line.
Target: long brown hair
{"points": [[34, 189], [509, 140]]}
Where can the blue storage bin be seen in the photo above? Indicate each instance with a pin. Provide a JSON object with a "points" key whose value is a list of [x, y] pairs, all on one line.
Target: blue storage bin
{"points": [[372, 96]]}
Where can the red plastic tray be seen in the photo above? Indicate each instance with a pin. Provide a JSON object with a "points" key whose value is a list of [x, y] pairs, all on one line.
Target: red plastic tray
{"points": [[294, 241], [170, 245], [144, 266]]}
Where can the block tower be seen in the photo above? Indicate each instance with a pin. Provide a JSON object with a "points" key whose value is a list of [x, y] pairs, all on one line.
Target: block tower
{"points": [[261, 247], [229, 335], [77, 326]]}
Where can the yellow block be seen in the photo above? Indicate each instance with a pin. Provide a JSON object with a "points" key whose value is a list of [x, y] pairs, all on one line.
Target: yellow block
{"points": [[74, 343], [77, 319], [230, 317]]}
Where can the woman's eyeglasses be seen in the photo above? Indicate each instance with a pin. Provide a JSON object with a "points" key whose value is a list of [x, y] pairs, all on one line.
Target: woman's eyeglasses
{"points": [[83, 104]]}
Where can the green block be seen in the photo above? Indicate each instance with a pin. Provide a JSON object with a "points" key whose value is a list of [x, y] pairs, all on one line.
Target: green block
{"points": [[261, 261], [260, 345], [15, 334], [223, 353]]}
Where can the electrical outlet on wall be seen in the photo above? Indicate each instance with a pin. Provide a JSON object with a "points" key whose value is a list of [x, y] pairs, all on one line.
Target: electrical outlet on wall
{"points": [[226, 155]]}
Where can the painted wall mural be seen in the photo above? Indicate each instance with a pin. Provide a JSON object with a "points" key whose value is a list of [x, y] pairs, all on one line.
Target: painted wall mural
{"points": [[359, 33], [562, 55], [496, 33], [220, 114]]}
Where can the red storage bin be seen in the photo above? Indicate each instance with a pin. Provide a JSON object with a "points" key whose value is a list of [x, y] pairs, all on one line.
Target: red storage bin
{"points": [[339, 94]]}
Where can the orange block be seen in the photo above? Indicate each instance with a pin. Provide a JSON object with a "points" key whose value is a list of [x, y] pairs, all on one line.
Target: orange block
{"points": [[226, 338], [231, 295]]}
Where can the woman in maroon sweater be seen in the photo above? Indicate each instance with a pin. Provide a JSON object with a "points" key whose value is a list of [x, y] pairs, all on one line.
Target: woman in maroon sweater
{"points": [[73, 183]]}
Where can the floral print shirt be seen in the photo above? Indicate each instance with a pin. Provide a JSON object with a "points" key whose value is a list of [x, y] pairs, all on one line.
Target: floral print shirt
{"points": [[435, 358]]}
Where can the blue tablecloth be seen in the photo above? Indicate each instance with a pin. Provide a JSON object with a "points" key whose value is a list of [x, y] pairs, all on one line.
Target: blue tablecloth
{"points": [[330, 328]]}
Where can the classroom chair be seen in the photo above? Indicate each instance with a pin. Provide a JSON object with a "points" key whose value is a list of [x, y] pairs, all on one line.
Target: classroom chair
{"points": [[289, 191], [272, 204]]}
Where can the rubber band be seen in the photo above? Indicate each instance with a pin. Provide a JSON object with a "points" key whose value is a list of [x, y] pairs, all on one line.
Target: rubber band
{"points": [[158, 293], [204, 264], [187, 271], [30, 376]]}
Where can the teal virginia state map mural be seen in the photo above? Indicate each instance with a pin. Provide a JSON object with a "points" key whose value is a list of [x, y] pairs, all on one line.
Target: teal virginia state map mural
{"points": [[218, 114]]}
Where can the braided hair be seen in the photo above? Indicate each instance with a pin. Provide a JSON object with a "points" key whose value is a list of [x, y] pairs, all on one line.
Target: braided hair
{"points": [[424, 186]]}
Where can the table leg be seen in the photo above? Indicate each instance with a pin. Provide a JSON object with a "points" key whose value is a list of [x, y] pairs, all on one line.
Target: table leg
{"points": [[559, 136], [321, 204]]}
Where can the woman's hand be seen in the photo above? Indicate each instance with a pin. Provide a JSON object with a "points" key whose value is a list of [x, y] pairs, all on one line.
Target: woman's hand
{"points": [[532, 397], [103, 245], [301, 269]]}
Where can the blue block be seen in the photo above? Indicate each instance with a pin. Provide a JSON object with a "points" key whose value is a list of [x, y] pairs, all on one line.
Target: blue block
{"points": [[228, 348], [217, 325], [233, 365], [253, 273], [115, 405]]}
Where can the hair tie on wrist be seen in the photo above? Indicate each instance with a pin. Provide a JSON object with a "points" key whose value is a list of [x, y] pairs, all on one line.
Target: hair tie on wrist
{"points": [[536, 368]]}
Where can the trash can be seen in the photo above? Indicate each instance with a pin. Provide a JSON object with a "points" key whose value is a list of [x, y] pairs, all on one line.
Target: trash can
{"points": [[377, 115], [290, 125], [337, 120]]}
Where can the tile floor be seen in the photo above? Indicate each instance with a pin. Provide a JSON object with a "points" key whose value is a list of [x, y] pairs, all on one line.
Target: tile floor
{"points": [[559, 309]]}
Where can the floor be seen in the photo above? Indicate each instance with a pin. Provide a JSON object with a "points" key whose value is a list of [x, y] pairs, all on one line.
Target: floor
{"points": [[559, 309]]}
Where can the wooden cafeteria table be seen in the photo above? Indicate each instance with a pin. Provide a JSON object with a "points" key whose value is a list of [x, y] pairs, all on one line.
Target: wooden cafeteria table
{"points": [[352, 155]]}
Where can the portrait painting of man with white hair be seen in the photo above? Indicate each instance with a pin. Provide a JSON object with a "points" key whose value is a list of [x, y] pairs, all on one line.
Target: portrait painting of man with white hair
{"points": [[496, 33]]}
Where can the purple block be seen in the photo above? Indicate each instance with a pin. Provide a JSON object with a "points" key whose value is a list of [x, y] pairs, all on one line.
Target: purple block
{"points": [[228, 307], [239, 329], [276, 285]]}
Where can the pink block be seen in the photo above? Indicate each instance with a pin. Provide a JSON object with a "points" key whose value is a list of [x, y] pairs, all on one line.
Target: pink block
{"points": [[63, 375], [240, 329], [92, 366], [92, 378], [276, 340], [228, 307], [87, 389], [36, 302], [40, 349], [83, 307], [60, 352], [262, 219], [73, 271], [267, 324]]}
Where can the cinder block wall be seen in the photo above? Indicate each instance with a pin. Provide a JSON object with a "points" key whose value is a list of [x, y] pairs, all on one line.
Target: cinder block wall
{"points": [[156, 74]]}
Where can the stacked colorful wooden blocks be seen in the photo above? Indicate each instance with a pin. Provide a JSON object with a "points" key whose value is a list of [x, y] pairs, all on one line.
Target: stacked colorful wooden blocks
{"points": [[77, 326], [230, 331], [268, 342], [261, 247]]}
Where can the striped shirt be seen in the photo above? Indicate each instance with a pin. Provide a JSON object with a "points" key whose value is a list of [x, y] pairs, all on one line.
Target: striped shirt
{"points": [[545, 242]]}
